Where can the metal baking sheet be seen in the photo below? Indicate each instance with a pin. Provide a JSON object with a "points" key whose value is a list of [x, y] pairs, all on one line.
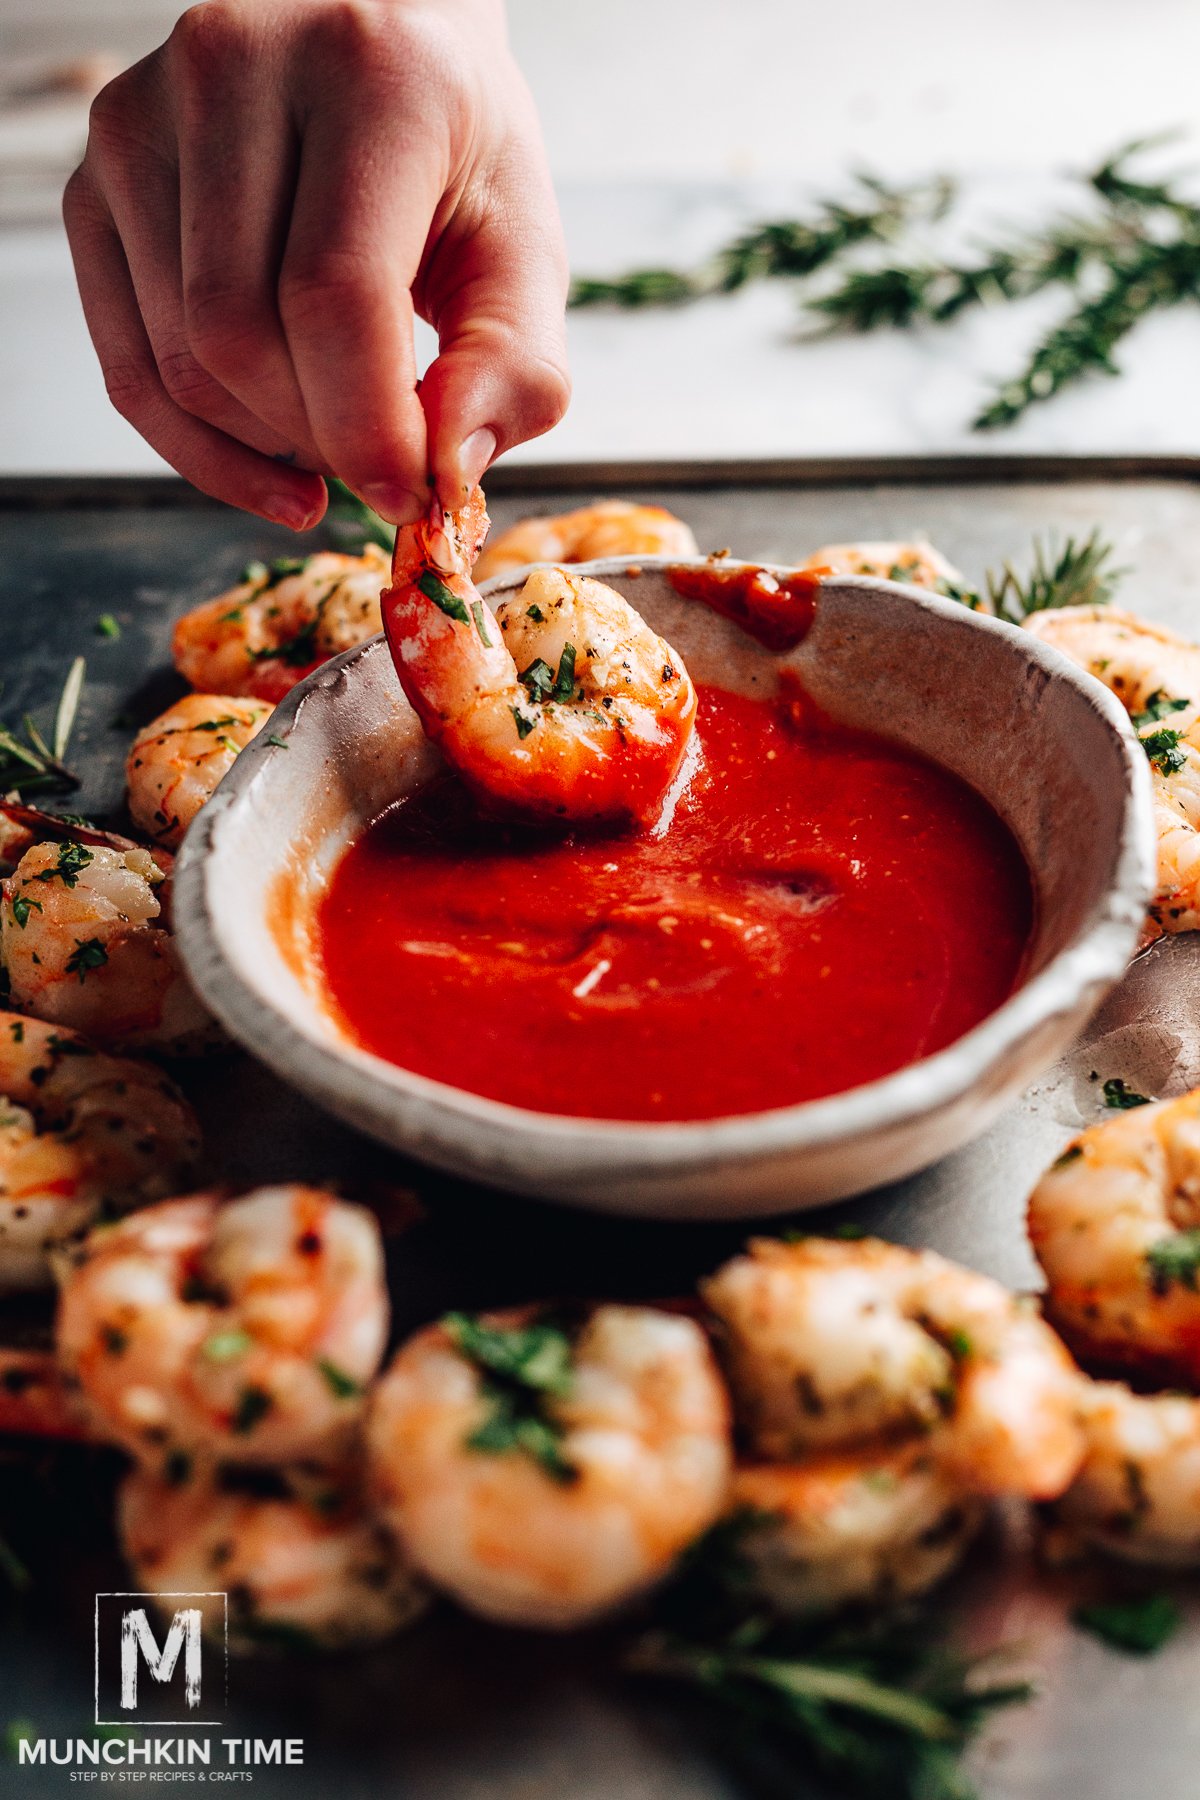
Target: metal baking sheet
{"points": [[456, 1710]]}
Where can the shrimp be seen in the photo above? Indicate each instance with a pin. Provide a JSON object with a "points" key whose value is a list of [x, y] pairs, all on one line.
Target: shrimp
{"points": [[304, 1565], [82, 1134], [84, 943], [609, 528], [280, 623], [35, 1397], [849, 1527], [1156, 676], [242, 1332], [545, 1478], [563, 702], [179, 758], [917, 564], [1115, 1224], [1136, 1495], [831, 1344]]}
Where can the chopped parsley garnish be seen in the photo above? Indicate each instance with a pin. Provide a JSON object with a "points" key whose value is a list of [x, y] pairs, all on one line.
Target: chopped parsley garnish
{"points": [[1071, 1154], [480, 618], [16, 1031], [523, 1367], [1174, 1258], [22, 906], [1157, 707], [544, 684], [1122, 1098], [209, 725], [1162, 747], [535, 613], [226, 1346], [283, 566], [435, 589], [253, 571], [1140, 1626], [343, 1386], [958, 1344], [524, 725], [253, 1404], [73, 859], [88, 954], [107, 626], [278, 742]]}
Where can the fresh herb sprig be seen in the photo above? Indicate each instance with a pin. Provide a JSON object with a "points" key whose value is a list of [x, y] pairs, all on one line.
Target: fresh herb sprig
{"points": [[1132, 250], [28, 763], [883, 1711], [1077, 574], [785, 248]]}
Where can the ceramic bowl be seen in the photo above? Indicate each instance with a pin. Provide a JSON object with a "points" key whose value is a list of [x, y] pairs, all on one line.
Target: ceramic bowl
{"points": [[1049, 748]]}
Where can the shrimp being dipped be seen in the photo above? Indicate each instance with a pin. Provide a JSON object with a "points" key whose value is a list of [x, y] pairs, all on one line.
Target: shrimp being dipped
{"points": [[918, 564], [1156, 676], [303, 1561], [609, 528], [832, 1343], [1115, 1224], [280, 623], [545, 1478], [561, 703], [849, 1527], [84, 942], [82, 1133], [178, 759], [242, 1332]]}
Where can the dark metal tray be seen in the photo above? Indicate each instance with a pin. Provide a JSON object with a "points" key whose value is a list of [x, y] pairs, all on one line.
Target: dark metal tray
{"points": [[455, 1710]]}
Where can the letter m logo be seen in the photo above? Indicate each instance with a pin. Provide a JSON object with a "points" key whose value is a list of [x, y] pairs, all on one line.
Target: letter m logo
{"points": [[157, 1655]]}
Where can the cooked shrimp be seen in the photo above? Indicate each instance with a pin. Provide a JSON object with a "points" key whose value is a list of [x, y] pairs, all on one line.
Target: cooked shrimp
{"points": [[544, 1480], [280, 622], [1137, 1495], [241, 1332], [178, 759], [562, 703], [82, 1134], [84, 943], [917, 564], [1156, 676], [835, 1343], [303, 1564], [849, 1527], [609, 528], [1115, 1224]]}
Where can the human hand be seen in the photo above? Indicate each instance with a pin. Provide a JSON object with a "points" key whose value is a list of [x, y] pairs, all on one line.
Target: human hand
{"points": [[265, 203]]}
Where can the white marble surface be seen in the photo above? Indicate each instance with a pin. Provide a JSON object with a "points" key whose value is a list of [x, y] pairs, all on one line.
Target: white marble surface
{"points": [[670, 122]]}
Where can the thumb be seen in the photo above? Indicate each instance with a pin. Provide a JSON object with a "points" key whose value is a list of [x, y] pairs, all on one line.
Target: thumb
{"points": [[500, 376]]}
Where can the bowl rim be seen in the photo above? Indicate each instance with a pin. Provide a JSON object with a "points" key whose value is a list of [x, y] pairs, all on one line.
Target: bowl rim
{"points": [[1092, 961]]}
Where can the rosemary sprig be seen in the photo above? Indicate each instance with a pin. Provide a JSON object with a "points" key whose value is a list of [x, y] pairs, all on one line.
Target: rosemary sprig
{"points": [[28, 764], [784, 248], [882, 1710], [1078, 574]]}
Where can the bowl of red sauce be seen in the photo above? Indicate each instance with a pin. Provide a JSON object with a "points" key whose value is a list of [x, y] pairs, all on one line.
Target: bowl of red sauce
{"points": [[911, 855]]}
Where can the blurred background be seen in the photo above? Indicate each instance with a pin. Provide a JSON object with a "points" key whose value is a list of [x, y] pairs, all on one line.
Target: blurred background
{"points": [[672, 124]]}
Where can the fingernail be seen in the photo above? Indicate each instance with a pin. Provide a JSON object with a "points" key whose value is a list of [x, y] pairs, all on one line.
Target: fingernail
{"points": [[475, 454], [286, 509], [393, 502]]}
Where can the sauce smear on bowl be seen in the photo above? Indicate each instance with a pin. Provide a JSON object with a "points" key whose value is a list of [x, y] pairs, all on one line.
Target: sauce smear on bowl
{"points": [[824, 908]]}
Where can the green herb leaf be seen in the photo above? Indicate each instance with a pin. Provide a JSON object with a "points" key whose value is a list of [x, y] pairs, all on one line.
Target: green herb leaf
{"points": [[564, 681], [107, 626], [253, 1404], [480, 618], [1157, 707], [226, 1346], [88, 954], [343, 1386], [435, 589], [1174, 1259], [524, 725], [1077, 575], [22, 906], [1122, 1098], [1163, 749], [524, 1368], [1139, 1626], [278, 742], [73, 859]]}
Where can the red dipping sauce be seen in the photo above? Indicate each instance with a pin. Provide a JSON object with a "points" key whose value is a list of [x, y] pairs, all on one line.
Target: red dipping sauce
{"points": [[825, 908]]}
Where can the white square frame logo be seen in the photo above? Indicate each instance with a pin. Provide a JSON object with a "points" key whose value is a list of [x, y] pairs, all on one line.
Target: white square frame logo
{"points": [[156, 1602]]}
